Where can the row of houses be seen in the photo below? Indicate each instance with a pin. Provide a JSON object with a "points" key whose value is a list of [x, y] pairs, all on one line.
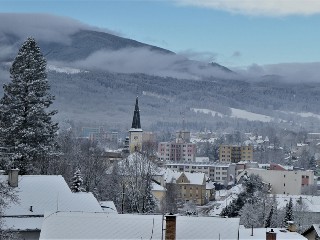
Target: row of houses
{"points": [[47, 209]]}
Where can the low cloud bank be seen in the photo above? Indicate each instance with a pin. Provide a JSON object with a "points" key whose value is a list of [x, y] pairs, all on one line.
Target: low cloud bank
{"points": [[145, 60], [259, 7], [289, 72]]}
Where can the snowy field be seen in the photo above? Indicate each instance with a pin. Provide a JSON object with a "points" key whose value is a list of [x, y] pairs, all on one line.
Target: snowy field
{"points": [[237, 113]]}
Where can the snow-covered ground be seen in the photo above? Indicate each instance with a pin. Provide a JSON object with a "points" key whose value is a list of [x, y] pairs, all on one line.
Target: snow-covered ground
{"points": [[303, 114], [224, 198], [237, 113], [207, 111]]}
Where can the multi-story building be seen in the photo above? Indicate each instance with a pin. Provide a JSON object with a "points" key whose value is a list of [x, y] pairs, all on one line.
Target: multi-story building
{"points": [[189, 187], [234, 154], [283, 181], [192, 188], [179, 150], [217, 172]]}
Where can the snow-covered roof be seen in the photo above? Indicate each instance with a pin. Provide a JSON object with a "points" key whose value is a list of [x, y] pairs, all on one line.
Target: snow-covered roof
{"points": [[301, 144], [157, 187], [170, 175], [38, 194], [195, 178], [202, 140], [312, 203], [260, 233], [199, 164], [81, 225], [202, 159], [22, 223], [108, 207], [210, 185], [48, 193], [316, 227]]}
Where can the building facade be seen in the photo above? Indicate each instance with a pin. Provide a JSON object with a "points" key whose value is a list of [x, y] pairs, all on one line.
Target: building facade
{"points": [[283, 182], [235, 154], [192, 188], [217, 172], [177, 152]]}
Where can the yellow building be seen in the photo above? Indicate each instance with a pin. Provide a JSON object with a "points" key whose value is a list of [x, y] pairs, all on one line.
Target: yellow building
{"points": [[192, 187], [235, 154]]}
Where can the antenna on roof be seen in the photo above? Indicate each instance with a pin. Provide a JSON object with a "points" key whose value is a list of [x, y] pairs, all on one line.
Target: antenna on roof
{"points": [[183, 120], [58, 202]]}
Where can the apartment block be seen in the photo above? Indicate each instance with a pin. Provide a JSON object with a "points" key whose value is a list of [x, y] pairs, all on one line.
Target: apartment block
{"points": [[283, 181], [235, 154], [217, 172], [172, 151]]}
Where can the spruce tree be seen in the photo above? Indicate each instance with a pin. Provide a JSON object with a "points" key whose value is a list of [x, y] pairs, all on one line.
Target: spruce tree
{"points": [[26, 128], [289, 212], [269, 218], [77, 182]]}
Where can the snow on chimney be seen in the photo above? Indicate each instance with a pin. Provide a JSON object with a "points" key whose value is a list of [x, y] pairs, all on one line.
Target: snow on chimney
{"points": [[271, 235], [291, 226], [170, 227], [13, 177]]}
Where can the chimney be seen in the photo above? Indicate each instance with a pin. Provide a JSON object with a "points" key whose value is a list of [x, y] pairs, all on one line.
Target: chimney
{"points": [[13, 177], [291, 226], [170, 227], [271, 235]]}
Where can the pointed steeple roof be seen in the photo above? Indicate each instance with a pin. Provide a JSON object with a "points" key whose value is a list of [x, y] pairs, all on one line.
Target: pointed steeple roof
{"points": [[136, 116]]}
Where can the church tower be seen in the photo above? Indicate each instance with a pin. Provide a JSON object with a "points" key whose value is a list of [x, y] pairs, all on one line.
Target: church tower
{"points": [[135, 133]]}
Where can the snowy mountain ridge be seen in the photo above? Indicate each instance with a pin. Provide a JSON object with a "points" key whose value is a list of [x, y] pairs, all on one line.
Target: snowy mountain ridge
{"points": [[96, 75]]}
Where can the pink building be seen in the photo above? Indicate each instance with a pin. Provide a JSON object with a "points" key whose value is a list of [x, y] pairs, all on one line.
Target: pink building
{"points": [[177, 152]]}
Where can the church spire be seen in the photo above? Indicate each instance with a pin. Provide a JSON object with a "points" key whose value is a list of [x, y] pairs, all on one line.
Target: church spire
{"points": [[136, 116]]}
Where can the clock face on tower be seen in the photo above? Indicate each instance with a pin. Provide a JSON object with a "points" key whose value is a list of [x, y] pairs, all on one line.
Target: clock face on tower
{"points": [[135, 137]]}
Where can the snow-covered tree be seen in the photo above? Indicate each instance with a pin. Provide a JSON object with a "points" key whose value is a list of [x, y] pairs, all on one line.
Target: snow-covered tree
{"points": [[77, 182], [7, 196], [250, 215], [136, 178], [289, 212], [26, 128], [269, 218]]}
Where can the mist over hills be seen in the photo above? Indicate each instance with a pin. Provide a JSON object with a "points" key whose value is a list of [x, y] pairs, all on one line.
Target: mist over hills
{"points": [[95, 76]]}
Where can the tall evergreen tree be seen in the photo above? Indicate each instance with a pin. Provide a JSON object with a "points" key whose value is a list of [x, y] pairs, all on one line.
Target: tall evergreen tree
{"points": [[269, 218], [26, 128], [289, 212], [77, 181]]}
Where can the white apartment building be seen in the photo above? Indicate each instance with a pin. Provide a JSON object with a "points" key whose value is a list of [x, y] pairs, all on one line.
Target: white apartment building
{"points": [[223, 173], [283, 181]]}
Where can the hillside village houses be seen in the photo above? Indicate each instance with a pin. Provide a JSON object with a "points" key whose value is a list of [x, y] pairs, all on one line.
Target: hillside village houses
{"points": [[47, 209]]}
